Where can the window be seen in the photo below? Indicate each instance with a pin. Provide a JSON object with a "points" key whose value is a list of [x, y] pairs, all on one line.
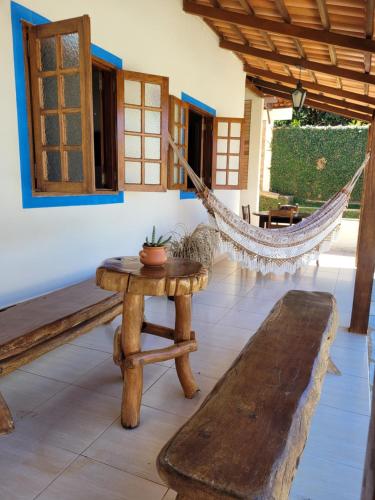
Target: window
{"points": [[93, 128], [142, 102], [227, 153], [213, 147]]}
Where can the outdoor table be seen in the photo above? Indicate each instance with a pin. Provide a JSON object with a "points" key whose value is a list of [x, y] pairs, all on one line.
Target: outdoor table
{"points": [[178, 278], [263, 218]]}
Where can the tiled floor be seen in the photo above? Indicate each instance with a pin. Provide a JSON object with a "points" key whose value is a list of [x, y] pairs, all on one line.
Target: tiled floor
{"points": [[69, 443]]}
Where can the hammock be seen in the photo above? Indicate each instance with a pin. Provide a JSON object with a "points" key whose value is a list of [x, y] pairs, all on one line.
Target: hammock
{"points": [[273, 250]]}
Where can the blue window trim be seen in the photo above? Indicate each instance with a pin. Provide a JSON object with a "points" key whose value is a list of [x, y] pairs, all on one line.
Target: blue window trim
{"points": [[19, 13], [190, 195]]}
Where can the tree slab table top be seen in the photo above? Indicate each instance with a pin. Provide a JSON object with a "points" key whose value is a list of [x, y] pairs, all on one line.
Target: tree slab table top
{"points": [[246, 439]]}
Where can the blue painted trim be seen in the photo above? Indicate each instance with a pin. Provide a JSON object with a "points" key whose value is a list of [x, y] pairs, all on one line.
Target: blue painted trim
{"points": [[198, 104], [190, 195], [18, 13]]}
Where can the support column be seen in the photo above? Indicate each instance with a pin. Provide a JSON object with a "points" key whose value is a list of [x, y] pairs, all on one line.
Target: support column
{"points": [[366, 246]]}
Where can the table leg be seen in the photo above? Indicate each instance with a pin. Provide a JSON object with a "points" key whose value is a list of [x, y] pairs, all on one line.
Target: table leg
{"points": [[182, 332], [131, 343]]}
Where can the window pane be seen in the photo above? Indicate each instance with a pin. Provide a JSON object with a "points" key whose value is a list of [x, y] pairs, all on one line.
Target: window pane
{"points": [[221, 178], [152, 122], [232, 178], [182, 140], [49, 92], [235, 129], [72, 94], [152, 148], [222, 129], [152, 173], [222, 145], [234, 146], [73, 129], [183, 115], [152, 95], [175, 175], [132, 146], [234, 162], [133, 172], [70, 50], [132, 120], [75, 166], [48, 53], [53, 165], [176, 112], [182, 175], [132, 92], [51, 130], [221, 162]]}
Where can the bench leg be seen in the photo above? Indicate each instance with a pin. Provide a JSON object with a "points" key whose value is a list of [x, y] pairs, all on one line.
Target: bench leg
{"points": [[182, 332], [131, 343]]}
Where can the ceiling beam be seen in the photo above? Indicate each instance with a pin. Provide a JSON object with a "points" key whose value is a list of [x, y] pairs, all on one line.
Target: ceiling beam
{"points": [[254, 88], [318, 97], [323, 107], [369, 28], [328, 69], [259, 23], [309, 85]]}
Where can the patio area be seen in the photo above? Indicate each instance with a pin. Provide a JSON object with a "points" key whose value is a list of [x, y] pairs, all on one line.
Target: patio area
{"points": [[69, 442]]}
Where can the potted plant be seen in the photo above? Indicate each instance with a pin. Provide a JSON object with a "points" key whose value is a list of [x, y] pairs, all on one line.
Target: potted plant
{"points": [[154, 252]]}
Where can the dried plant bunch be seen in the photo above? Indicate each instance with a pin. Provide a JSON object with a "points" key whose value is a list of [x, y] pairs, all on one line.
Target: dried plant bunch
{"points": [[156, 242], [199, 245]]}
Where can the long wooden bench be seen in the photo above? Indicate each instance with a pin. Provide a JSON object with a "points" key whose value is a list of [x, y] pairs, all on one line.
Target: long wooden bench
{"points": [[32, 328], [246, 439]]}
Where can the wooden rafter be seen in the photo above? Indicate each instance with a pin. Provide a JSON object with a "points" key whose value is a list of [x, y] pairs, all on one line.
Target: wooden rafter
{"points": [[277, 77], [292, 30], [370, 4], [318, 97], [321, 106], [299, 62]]}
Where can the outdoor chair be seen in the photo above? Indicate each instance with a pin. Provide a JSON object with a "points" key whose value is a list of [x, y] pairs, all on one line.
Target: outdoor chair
{"points": [[286, 215], [246, 213]]}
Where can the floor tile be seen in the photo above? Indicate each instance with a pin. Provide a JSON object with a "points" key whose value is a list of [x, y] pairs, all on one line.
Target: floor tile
{"points": [[100, 338], [215, 299], [212, 361], [224, 336], [86, 479], [243, 319], [166, 394], [24, 392], [318, 479], [346, 393], [339, 436], [66, 363], [135, 451], [27, 466], [72, 419], [350, 361], [106, 378]]}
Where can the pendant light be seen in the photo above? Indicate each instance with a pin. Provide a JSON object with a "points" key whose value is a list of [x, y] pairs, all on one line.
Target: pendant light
{"points": [[299, 94]]}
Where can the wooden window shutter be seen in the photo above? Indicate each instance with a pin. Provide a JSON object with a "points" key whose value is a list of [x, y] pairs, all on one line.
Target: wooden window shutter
{"points": [[142, 126], [61, 90], [228, 147], [179, 129]]}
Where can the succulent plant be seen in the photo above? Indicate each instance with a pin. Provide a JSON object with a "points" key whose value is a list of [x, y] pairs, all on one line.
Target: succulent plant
{"points": [[160, 242]]}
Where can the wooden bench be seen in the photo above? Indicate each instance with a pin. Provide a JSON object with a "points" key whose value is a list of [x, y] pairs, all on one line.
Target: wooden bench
{"points": [[246, 439], [32, 328]]}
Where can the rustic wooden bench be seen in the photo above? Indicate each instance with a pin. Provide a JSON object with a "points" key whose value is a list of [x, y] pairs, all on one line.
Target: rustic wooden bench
{"points": [[246, 439], [32, 328]]}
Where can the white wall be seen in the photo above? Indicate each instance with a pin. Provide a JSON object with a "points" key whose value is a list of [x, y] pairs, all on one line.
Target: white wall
{"points": [[46, 248], [250, 196]]}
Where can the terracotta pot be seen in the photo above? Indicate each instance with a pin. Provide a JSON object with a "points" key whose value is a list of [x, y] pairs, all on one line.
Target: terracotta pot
{"points": [[153, 256]]}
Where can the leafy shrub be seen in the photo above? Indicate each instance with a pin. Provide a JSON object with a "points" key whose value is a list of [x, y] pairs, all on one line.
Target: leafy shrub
{"points": [[313, 163]]}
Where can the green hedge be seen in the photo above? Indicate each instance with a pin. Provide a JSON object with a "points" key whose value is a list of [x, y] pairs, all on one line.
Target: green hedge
{"points": [[312, 163]]}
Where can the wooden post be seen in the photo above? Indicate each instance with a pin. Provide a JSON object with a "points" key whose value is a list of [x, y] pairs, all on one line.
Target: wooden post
{"points": [[131, 343], [366, 246], [183, 332]]}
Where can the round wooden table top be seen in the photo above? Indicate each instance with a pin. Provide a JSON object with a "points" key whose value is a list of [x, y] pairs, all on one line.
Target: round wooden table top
{"points": [[127, 274]]}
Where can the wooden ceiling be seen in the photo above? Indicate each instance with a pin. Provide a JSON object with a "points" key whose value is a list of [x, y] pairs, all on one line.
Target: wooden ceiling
{"points": [[328, 44]]}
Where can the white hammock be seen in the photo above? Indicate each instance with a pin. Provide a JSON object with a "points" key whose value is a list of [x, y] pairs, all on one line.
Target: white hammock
{"points": [[273, 250]]}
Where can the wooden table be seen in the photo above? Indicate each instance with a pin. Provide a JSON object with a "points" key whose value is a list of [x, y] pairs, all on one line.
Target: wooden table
{"points": [[178, 278], [263, 218]]}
